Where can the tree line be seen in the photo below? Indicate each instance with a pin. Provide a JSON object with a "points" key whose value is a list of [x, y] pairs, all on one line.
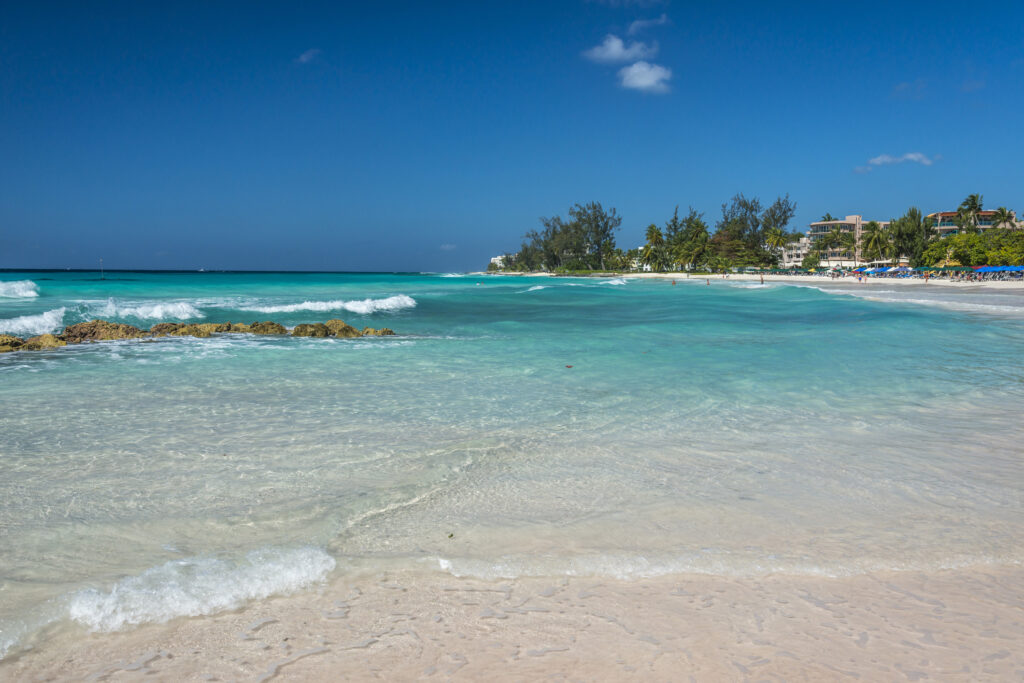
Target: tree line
{"points": [[747, 234]]}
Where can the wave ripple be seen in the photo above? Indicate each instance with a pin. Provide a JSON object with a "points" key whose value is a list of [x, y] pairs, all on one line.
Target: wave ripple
{"points": [[199, 586]]}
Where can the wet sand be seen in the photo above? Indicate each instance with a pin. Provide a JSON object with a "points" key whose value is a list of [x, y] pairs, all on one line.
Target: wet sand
{"points": [[961, 625]]}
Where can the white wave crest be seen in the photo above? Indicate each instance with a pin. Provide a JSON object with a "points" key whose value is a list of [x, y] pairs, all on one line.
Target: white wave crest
{"points": [[198, 586], [19, 289], [180, 310], [33, 324], [536, 288], [614, 281], [363, 307]]}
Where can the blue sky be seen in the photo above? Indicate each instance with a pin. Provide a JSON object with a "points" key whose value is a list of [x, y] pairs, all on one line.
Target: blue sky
{"points": [[428, 136]]}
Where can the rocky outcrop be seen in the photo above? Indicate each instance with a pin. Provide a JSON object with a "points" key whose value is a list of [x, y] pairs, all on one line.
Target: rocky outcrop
{"points": [[311, 330], [382, 332], [42, 341], [267, 327], [340, 328], [8, 343], [103, 330], [161, 329], [100, 330]]}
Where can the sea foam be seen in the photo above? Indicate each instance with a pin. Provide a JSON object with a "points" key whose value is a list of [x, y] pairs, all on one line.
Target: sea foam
{"points": [[19, 289], [33, 324], [199, 586], [363, 307], [179, 310]]}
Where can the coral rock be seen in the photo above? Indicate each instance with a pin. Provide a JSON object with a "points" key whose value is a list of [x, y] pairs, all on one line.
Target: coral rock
{"points": [[340, 328], [267, 327], [100, 330], [314, 330], [11, 341], [382, 332], [42, 341]]}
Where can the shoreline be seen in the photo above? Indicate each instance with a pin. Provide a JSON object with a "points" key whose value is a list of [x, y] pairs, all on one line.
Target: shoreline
{"points": [[405, 625], [799, 279]]}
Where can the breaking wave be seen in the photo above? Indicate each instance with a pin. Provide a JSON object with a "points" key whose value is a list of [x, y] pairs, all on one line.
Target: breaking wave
{"points": [[180, 310], [19, 289], [33, 324], [363, 307], [198, 586]]}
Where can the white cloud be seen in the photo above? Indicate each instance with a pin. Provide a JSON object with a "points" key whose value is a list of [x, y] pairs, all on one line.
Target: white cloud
{"points": [[886, 159], [308, 56], [447, 247], [642, 24], [613, 49], [645, 77]]}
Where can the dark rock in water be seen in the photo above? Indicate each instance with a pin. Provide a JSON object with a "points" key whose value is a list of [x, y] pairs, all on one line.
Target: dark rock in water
{"points": [[240, 328], [42, 341], [382, 332], [100, 330], [8, 343], [340, 328], [308, 330], [166, 328], [191, 331], [267, 327]]}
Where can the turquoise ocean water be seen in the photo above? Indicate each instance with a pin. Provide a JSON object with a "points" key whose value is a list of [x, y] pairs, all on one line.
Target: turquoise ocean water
{"points": [[729, 428]]}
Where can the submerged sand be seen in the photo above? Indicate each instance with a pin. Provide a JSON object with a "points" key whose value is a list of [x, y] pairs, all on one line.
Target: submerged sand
{"points": [[965, 625]]}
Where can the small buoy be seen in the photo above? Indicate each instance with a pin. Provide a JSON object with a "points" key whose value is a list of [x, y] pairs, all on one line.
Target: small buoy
{"points": [[568, 366]]}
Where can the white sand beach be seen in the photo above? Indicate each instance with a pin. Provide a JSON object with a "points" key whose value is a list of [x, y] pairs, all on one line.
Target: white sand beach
{"points": [[825, 280], [964, 625]]}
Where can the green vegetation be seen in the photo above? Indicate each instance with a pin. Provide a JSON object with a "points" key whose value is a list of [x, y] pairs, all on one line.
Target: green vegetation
{"points": [[746, 235], [996, 247], [751, 235]]}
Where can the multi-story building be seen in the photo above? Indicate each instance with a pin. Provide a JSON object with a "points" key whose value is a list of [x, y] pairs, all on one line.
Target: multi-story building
{"points": [[945, 222], [793, 253], [852, 225]]}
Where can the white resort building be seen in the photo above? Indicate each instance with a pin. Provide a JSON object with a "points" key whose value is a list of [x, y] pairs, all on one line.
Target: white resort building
{"points": [[852, 225], [793, 253]]}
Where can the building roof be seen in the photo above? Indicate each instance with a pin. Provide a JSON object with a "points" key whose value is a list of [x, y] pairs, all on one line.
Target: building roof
{"points": [[954, 213]]}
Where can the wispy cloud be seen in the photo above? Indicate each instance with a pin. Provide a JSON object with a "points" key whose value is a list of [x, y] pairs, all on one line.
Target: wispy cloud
{"points": [[645, 77], [643, 24], [888, 160], [448, 247], [614, 49], [308, 56], [910, 90]]}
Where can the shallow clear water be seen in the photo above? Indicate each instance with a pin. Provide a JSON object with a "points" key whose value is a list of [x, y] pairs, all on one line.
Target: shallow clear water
{"points": [[730, 429]]}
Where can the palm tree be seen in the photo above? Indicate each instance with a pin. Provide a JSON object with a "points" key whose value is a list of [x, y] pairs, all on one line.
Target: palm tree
{"points": [[653, 253], [777, 239], [833, 239], [848, 243], [1004, 218], [874, 242], [828, 217], [967, 215]]}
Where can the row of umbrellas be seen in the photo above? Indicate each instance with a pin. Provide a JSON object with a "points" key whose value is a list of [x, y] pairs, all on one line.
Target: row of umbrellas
{"points": [[945, 269]]}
